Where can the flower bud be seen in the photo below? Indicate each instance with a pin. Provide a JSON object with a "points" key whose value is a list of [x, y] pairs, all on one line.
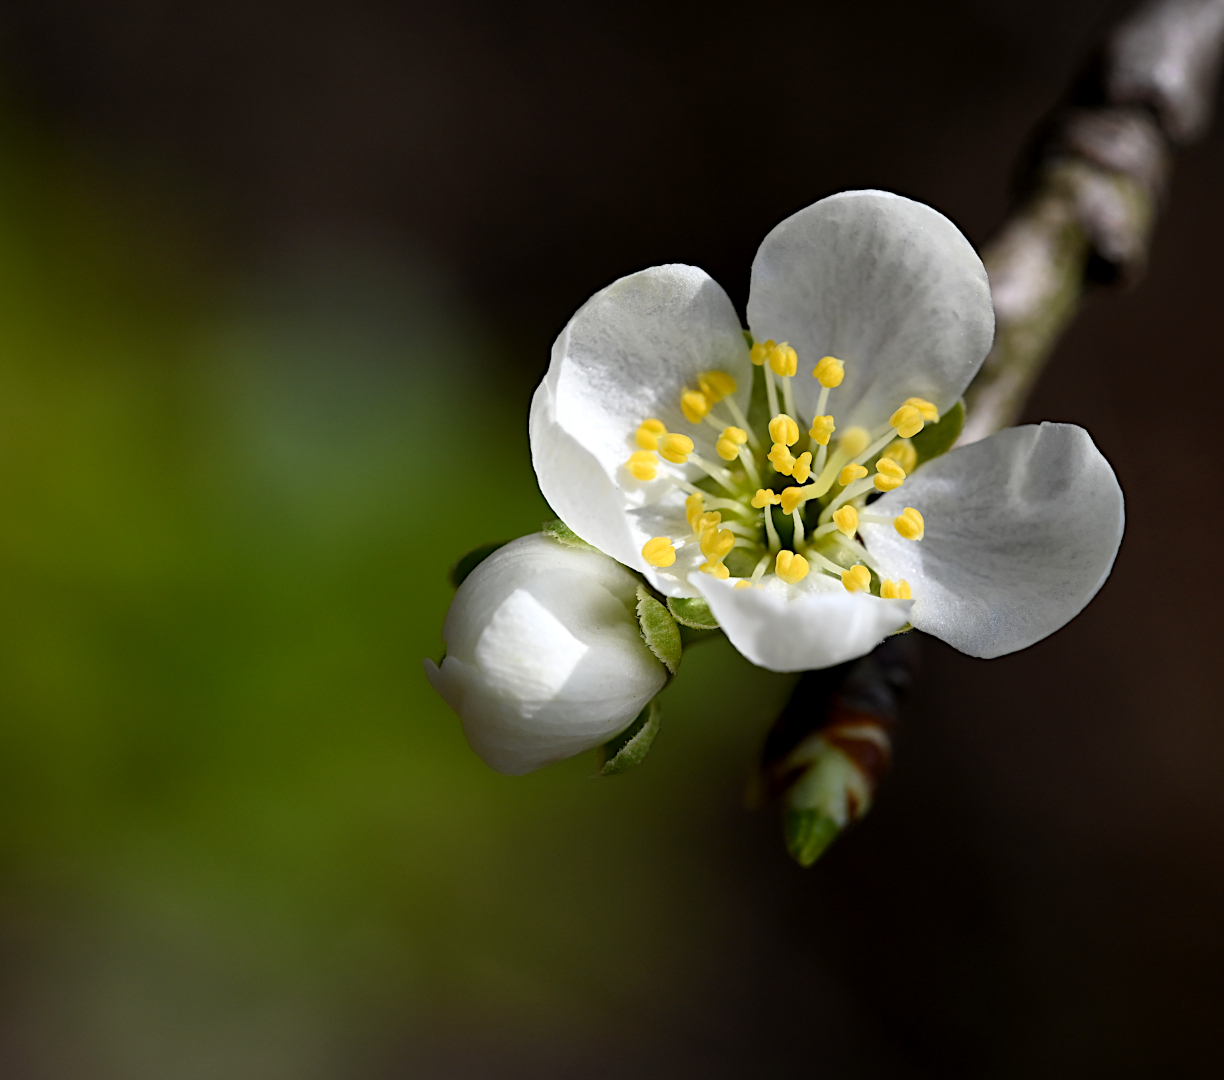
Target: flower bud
{"points": [[544, 657]]}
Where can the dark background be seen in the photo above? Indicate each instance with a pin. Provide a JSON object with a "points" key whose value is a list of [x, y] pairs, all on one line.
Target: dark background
{"points": [[409, 202]]}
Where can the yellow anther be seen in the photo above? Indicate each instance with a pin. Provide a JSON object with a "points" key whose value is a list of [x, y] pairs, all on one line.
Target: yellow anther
{"points": [[854, 441], [717, 543], [903, 453], [784, 430], [790, 567], [764, 497], [822, 430], [929, 413], [694, 505], [729, 443], [889, 475], [857, 578], [829, 372], [716, 385], [802, 468], [711, 519], [851, 473], [715, 568], [895, 590], [759, 352], [676, 448], [907, 420], [793, 498], [909, 524], [649, 432], [846, 519], [642, 465], [782, 459], [659, 551], [694, 404], [783, 360], [743, 583]]}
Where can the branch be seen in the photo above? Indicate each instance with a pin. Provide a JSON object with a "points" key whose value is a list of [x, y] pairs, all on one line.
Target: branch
{"points": [[1091, 189]]}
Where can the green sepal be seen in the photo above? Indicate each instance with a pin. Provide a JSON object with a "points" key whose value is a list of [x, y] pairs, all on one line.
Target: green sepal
{"points": [[631, 746], [808, 834], [558, 530], [938, 438], [659, 629], [693, 612], [465, 565]]}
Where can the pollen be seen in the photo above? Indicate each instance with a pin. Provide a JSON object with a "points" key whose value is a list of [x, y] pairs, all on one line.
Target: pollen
{"points": [[847, 520], [851, 473], [909, 524], [792, 499], [790, 567], [716, 385], [676, 448], [694, 404], [822, 430], [895, 590], [929, 413], [784, 430], [659, 551], [782, 459], [759, 352], [889, 475], [764, 497], [908, 420], [642, 465], [857, 578], [829, 372], [903, 453], [648, 434], [729, 443], [854, 441], [802, 468], [783, 360]]}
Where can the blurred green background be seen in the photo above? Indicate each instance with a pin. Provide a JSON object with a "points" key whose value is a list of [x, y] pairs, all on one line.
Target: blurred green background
{"points": [[276, 284]]}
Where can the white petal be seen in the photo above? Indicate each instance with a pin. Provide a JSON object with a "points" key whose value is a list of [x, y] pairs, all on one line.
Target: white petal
{"points": [[802, 628], [544, 657], [885, 284], [626, 356], [1021, 531]]}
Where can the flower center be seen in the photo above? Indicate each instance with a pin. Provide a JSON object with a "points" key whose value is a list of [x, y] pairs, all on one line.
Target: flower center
{"points": [[795, 508]]}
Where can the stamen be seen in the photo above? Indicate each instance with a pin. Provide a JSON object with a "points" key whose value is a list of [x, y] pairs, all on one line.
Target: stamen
{"points": [[856, 579], [781, 459], [794, 497], [715, 568], [857, 550], [783, 360], [884, 440], [797, 518], [788, 396], [758, 571], [784, 430], [904, 454], [659, 551], [737, 414], [729, 443], [790, 567], [743, 583], [829, 372], [642, 465], [909, 524], [929, 413], [889, 475], [852, 492], [712, 500], [716, 544], [828, 565], [908, 420], [716, 385], [802, 468], [694, 506], [754, 477], [895, 590], [694, 404], [649, 432], [715, 472], [852, 442], [822, 430], [675, 448], [760, 352], [850, 473], [847, 520], [763, 500]]}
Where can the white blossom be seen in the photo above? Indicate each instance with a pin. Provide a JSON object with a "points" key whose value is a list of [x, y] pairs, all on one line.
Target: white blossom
{"points": [[544, 658], [870, 315]]}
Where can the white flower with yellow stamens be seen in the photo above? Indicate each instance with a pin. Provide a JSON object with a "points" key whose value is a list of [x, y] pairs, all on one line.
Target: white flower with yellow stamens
{"points": [[870, 313]]}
